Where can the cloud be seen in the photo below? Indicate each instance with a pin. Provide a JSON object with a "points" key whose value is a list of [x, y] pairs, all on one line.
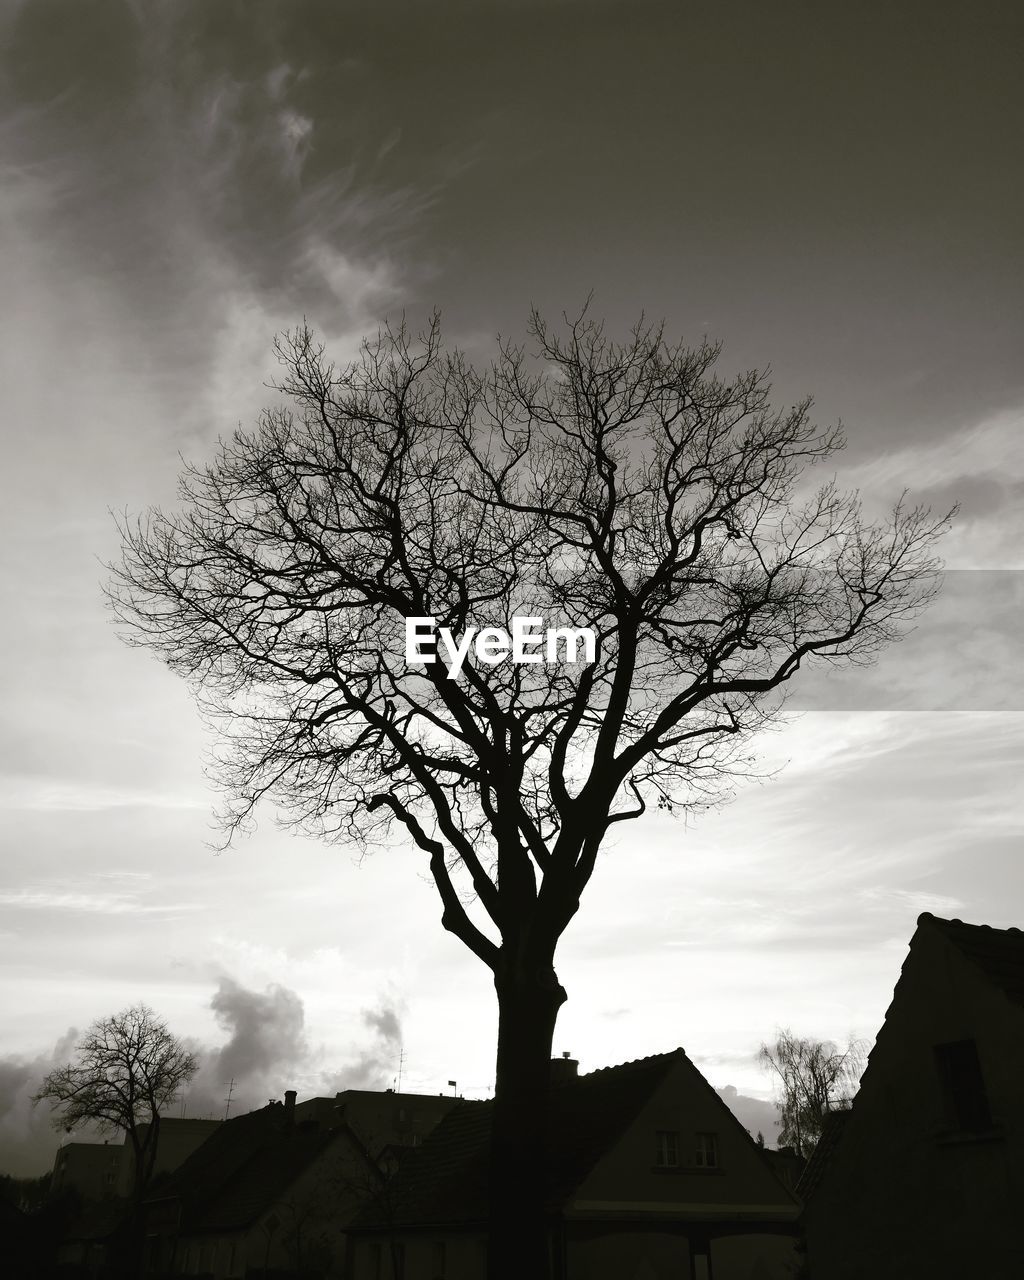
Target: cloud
{"points": [[980, 466], [28, 1138], [268, 1051], [992, 448], [377, 1066], [74, 796], [754, 1114], [43, 899], [265, 1049]]}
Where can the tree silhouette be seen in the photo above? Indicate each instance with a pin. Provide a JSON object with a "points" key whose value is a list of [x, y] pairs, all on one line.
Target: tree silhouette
{"points": [[127, 1069], [620, 486], [815, 1077]]}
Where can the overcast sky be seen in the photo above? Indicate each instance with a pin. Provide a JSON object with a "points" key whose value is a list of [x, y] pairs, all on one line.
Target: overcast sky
{"points": [[836, 194]]}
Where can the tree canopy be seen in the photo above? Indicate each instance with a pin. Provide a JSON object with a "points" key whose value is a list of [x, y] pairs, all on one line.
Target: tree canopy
{"points": [[579, 482], [814, 1077], [126, 1070], [621, 487]]}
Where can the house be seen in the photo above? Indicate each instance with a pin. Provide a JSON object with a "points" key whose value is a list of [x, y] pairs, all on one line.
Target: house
{"points": [[925, 1175], [179, 1136], [101, 1176], [649, 1176], [93, 1170], [273, 1190], [99, 1170]]}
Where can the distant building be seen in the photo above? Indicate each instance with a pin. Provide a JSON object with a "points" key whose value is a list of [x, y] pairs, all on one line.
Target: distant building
{"points": [[102, 1175], [91, 1169], [650, 1177], [925, 1175], [98, 1170], [274, 1190]]}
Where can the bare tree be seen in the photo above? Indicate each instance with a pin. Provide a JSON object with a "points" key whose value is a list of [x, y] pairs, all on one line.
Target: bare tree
{"points": [[127, 1068], [814, 1077], [588, 483]]}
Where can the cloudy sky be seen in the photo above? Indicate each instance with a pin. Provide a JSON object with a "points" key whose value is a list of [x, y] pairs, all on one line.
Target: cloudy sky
{"points": [[836, 194]]}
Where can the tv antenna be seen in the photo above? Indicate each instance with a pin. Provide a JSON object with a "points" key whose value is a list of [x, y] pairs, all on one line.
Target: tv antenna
{"points": [[227, 1100]]}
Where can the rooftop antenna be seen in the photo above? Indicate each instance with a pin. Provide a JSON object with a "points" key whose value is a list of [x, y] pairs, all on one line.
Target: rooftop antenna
{"points": [[401, 1064], [227, 1100]]}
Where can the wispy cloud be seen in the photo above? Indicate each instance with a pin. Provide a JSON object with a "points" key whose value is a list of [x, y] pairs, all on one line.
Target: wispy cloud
{"points": [[53, 898], [992, 448], [43, 794]]}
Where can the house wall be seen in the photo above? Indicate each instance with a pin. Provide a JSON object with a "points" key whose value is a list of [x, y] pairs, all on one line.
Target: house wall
{"points": [[92, 1169], [602, 1252], [685, 1104], [903, 1195], [428, 1255], [628, 1179], [664, 1214]]}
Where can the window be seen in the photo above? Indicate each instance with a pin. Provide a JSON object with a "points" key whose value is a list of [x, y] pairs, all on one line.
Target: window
{"points": [[667, 1148], [963, 1087], [707, 1151]]}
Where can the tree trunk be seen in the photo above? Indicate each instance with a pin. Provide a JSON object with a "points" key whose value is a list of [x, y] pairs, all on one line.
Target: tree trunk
{"points": [[529, 998]]}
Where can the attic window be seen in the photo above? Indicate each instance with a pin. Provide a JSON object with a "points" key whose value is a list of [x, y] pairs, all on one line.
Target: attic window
{"points": [[667, 1148], [706, 1156], [963, 1086]]}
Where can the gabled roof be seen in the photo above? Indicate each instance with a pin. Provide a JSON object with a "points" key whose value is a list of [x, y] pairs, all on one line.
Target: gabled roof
{"points": [[445, 1180], [998, 953], [831, 1134], [242, 1169]]}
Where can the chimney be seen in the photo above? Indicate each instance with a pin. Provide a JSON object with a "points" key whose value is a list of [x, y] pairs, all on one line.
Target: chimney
{"points": [[289, 1106], [564, 1069]]}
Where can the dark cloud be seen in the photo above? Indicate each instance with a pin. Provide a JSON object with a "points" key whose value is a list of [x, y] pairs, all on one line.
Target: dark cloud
{"points": [[754, 1114], [28, 1138], [385, 1022], [268, 1051], [376, 1067], [265, 1051], [266, 1029]]}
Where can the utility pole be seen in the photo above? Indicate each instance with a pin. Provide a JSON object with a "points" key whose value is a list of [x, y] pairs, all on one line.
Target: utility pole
{"points": [[227, 1100]]}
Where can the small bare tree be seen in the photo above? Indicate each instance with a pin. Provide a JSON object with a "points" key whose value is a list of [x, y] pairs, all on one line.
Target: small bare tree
{"points": [[126, 1070], [814, 1077], [621, 487]]}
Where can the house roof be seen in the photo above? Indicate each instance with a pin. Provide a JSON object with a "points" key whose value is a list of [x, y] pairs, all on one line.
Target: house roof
{"points": [[998, 953], [832, 1129], [243, 1168], [445, 1180]]}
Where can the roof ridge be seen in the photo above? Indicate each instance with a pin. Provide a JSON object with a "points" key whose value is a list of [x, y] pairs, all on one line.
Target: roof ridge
{"points": [[633, 1062], [931, 918]]}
